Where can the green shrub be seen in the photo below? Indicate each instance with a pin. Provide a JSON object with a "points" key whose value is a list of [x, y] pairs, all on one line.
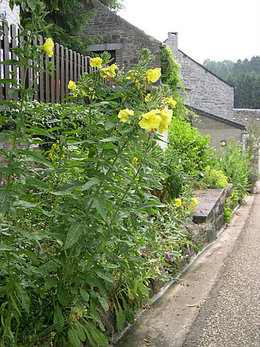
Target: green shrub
{"points": [[81, 231], [187, 156], [233, 161], [214, 178]]}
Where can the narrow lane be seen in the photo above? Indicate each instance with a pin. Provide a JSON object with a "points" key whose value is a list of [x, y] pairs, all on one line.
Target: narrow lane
{"points": [[231, 315]]}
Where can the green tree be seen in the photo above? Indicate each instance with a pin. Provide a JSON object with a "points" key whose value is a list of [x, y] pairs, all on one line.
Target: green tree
{"points": [[244, 75], [67, 18]]}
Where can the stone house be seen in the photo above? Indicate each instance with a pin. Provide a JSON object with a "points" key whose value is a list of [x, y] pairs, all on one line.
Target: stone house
{"points": [[208, 96], [121, 39]]}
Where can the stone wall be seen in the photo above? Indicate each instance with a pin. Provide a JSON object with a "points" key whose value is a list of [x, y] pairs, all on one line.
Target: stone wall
{"points": [[120, 36], [245, 115], [205, 90]]}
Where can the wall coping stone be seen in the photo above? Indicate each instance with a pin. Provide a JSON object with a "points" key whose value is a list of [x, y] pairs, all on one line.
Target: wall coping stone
{"points": [[211, 208]]}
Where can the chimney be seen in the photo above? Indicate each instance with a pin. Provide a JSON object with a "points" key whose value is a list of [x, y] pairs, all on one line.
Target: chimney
{"points": [[172, 42]]}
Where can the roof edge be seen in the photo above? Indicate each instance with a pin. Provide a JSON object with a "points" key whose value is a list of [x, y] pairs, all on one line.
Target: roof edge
{"points": [[218, 118], [205, 68]]}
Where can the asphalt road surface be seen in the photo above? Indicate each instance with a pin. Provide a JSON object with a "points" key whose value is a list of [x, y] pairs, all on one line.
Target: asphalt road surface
{"points": [[217, 303], [231, 315]]}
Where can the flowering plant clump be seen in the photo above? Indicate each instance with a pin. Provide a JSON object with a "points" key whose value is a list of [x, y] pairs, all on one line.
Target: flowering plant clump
{"points": [[80, 211]]}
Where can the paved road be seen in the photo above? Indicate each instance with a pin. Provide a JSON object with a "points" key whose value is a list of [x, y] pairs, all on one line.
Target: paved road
{"points": [[217, 302], [231, 316]]}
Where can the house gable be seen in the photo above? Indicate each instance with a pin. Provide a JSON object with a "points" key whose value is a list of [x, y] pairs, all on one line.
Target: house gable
{"points": [[205, 90], [119, 37]]}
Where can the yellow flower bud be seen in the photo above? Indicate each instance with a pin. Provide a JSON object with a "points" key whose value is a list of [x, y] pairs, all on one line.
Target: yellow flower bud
{"points": [[72, 85], [171, 102], [177, 202]]}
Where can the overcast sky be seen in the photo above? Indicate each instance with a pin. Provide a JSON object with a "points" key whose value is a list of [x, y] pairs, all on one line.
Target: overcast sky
{"points": [[217, 30]]}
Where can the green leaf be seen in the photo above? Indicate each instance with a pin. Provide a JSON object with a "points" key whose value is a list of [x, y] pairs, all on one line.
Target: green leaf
{"points": [[9, 62], [100, 206], [4, 247], [73, 235], [91, 182], [73, 337], [36, 157], [5, 202], [3, 119], [128, 312], [48, 267], [81, 333], [106, 277], [96, 338], [58, 318], [24, 204], [34, 182], [51, 282], [7, 80], [111, 139], [39, 131], [84, 294], [120, 318], [95, 315], [104, 303], [62, 294], [24, 297]]}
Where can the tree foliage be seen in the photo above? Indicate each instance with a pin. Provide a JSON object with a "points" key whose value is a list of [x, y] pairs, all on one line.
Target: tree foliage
{"points": [[67, 18], [244, 75]]}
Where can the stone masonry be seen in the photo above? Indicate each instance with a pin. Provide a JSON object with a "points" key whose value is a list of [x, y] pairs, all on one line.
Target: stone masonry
{"points": [[205, 90], [119, 37]]}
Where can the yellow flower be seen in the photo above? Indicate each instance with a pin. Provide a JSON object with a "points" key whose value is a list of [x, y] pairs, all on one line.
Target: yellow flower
{"points": [[171, 102], [134, 160], [48, 47], [112, 70], [105, 73], [148, 98], [166, 117], [151, 120], [76, 93], [153, 74], [96, 62], [72, 85], [123, 115], [194, 202], [177, 202]]}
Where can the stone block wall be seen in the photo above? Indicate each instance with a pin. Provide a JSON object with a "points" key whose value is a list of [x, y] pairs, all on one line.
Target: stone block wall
{"points": [[205, 90], [120, 36]]}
